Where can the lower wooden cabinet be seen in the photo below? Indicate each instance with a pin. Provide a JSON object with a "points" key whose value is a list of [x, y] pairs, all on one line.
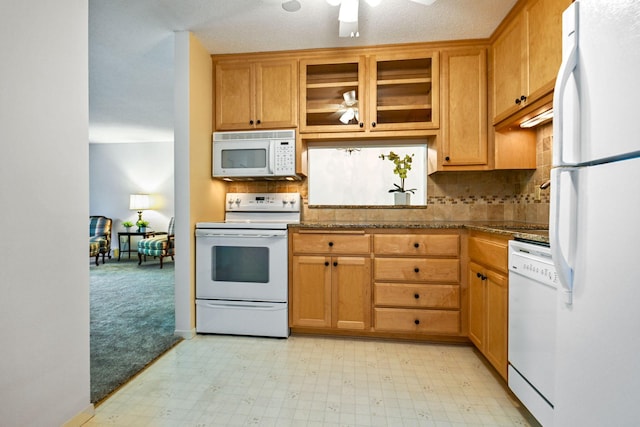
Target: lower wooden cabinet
{"points": [[376, 282], [330, 291], [489, 299]]}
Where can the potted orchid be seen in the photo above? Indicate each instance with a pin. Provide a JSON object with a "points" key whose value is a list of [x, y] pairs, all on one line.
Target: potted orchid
{"points": [[402, 165]]}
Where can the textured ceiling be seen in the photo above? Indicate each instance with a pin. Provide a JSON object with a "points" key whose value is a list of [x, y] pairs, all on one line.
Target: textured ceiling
{"points": [[131, 45]]}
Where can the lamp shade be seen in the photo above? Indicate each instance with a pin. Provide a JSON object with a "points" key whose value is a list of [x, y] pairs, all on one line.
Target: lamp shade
{"points": [[139, 202]]}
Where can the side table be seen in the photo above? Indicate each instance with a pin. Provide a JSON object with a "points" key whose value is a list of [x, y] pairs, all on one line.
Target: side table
{"points": [[128, 235]]}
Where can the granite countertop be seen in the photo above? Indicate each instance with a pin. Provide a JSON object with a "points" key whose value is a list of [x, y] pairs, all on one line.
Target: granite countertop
{"points": [[519, 230]]}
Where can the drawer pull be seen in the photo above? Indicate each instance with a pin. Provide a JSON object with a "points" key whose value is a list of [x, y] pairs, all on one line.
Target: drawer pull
{"points": [[330, 243], [416, 296], [417, 321], [417, 270], [416, 245]]}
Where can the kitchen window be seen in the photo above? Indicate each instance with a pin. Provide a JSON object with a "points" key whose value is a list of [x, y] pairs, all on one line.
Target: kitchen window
{"points": [[344, 174]]}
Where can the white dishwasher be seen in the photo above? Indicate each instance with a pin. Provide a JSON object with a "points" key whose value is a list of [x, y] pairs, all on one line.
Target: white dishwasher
{"points": [[532, 325]]}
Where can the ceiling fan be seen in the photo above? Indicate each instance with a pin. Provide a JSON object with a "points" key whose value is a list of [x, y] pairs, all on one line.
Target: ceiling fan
{"points": [[348, 14]]}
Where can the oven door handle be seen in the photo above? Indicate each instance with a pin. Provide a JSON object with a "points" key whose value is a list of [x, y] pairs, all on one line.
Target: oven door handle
{"points": [[242, 235], [243, 306]]}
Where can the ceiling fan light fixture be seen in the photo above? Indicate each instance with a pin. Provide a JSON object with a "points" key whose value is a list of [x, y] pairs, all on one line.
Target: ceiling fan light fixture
{"points": [[348, 11], [347, 116], [348, 29]]}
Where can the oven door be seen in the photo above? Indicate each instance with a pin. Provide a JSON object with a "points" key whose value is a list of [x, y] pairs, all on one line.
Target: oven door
{"points": [[241, 264]]}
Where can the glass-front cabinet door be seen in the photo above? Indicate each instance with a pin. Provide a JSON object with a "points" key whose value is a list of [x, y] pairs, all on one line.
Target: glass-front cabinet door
{"points": [[404, 92], [332, 94]]}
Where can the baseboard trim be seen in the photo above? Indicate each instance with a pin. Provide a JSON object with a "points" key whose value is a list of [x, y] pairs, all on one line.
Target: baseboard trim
{"points": [[185, 334], [82, 417]]}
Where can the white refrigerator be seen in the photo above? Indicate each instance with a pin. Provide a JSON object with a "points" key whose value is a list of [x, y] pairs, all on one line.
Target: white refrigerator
{"points": [[595, 215]]}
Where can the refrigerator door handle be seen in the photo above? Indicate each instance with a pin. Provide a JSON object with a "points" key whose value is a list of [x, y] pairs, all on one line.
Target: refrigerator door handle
{"points": [[561, 262], [568, 66]]}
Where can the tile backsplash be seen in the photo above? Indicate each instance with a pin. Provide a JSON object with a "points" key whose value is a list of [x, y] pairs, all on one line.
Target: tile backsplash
{"points": [[451, 196]]}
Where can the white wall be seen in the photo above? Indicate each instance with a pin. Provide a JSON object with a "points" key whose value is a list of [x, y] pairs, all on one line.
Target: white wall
{"points": [[44, 191], [118, 170]]}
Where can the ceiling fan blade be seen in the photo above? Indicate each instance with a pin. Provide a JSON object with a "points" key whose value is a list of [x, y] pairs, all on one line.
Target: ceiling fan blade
{"points": [[424, 2]]}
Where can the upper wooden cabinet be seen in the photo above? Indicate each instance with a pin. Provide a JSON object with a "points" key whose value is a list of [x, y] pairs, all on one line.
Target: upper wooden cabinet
{"points": [[399, 92], [256, 95], [526, 56], [463, 145], [330, 88], [404, 91]]}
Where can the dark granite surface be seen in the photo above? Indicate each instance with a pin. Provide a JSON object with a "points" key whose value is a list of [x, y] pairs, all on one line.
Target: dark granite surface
{"points": [[519, 230]]}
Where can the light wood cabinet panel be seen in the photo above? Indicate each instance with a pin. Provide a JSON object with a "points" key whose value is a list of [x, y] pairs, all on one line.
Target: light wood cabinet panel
{"points": [[491, 253], [332, 289], [404, 91], [417, 269], [330, 243], [544, 36], [418, 321], [464, 123], [256, 95], [476, 305], [497, 309], [526, 57], [235, 88], [323, 83], [351, 282], [416, 245], [489, 298], [509, 68], [311, 293], [417, 295]]}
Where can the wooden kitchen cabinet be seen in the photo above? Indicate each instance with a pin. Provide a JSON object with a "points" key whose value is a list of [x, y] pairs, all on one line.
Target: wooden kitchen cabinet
{"points": [[463, 145], [526, 56], [256, 94], [417, 283], [404, 91], [489, 298], [331, 281], [323, 85], [400, 91]]}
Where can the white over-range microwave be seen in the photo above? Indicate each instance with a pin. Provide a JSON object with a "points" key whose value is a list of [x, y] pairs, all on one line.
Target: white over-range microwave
{"points": [[254, 154]]}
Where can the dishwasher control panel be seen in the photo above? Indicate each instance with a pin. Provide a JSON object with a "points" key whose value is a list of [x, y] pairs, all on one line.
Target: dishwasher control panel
{"points": [[532, 261]]}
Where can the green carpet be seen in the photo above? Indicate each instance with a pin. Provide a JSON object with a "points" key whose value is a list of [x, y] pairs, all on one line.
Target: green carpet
{"points": [[132, 320]]}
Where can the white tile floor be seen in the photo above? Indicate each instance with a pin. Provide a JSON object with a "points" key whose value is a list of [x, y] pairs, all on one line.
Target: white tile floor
{"points": [[312, 381]]}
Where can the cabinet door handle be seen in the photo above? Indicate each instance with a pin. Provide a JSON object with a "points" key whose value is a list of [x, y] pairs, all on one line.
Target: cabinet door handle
{"points": [[258, 122], [447, 158], [416, 245], [518, 101], [335, 263], [361, 124], [479, 275], [326, 263], [523, 98], [416, 296], [330, 243], [417, 321], [417, 270], [373, 124], [250, 122]]}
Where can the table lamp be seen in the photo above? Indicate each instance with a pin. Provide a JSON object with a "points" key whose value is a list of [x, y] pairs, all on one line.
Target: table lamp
{"points": [[139, 202]]}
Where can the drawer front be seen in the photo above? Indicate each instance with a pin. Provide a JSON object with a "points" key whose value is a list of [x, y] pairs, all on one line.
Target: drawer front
{"points": [[331, 243], [493, 254], [417, 269], [419, 321], [417, 244], [419, 296]]}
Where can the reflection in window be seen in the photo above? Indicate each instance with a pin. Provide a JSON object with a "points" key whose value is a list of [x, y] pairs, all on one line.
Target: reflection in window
{"points": [[350, 174]]}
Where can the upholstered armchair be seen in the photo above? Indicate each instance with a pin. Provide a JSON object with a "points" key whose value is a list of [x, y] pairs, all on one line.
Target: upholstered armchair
{"points": [[160, 245], [99, 237]]}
